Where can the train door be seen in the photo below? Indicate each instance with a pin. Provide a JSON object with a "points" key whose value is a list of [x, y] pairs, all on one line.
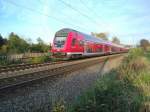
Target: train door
{"points": [[76, 44], [80, 43], [89, 47], [103, 48], [86, 47], [106, 49], [109, 49], [100, 48]]}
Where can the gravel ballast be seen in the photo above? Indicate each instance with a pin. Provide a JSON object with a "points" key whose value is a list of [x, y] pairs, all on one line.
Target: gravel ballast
{"points": [[40, 97]]}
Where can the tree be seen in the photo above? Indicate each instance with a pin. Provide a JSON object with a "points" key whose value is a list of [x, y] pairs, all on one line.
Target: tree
{"points": [[3, 45], [17, 44], [116, 40], [103, 35], [2, 41], [144, 44], [4, 49], [40, 41], [40, 46], [44, 47]]}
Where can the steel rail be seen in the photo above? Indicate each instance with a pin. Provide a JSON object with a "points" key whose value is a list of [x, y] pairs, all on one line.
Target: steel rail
{"points": [[26, 79], [11, 68]]}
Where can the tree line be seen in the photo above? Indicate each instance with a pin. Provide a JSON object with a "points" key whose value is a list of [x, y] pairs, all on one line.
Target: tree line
{"points": [[15, 44], [104, 36]]}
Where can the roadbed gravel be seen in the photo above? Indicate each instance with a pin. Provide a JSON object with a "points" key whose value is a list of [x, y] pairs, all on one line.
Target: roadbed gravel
{"points": [[67, 87]]}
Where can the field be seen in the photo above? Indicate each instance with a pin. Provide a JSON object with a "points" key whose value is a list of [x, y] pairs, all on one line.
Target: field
{"points": [[124, 89]]}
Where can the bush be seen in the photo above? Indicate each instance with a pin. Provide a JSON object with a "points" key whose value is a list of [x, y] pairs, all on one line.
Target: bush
{"points": [[133, 65], [109, 95], [132, 68], [135, 52]]}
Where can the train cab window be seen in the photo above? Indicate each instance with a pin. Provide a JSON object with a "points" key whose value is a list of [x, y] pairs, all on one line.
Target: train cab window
{"points": [[59, 41], [73, 42]]}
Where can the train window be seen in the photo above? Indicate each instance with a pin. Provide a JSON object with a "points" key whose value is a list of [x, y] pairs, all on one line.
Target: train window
{"points": [[89, 50], [81, 43], [73, 42], [99, 50]]}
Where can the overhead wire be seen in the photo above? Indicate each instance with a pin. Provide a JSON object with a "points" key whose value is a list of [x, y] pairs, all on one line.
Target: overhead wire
{"points": [[35, 11], [93, 12], [89, 9], [70, 19], [76, 10]]}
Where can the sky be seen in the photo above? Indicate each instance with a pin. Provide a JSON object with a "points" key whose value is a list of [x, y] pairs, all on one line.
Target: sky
{"points": [[129, 20]]}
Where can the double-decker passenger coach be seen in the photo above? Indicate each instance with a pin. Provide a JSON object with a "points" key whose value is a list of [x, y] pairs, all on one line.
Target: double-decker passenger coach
{"points": [[69, 43]]}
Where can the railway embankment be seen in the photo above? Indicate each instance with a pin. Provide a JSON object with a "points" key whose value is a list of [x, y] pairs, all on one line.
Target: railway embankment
{"points": [[123, 89], [42, 96]]}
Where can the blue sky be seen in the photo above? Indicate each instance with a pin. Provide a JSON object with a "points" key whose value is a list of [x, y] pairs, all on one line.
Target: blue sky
{"points": [[129, 20]]}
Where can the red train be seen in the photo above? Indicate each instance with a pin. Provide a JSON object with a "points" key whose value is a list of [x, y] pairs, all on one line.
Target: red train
{"points": [[69, 43]]}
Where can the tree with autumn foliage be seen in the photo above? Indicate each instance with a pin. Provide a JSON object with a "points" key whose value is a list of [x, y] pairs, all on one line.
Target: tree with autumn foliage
{"points": [[103, 35], [145, 44], [115, 40]]}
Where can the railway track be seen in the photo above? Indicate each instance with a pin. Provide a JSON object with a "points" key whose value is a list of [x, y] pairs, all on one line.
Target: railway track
{"points": [[11, 68], [28, 76]]}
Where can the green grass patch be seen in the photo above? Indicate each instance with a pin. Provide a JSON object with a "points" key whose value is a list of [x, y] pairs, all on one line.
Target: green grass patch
{"points": [[147, 54], [109, 94]]}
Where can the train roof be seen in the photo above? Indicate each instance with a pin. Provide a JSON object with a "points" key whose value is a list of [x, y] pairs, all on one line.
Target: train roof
{"points": [[87, 37], [64, 31]]}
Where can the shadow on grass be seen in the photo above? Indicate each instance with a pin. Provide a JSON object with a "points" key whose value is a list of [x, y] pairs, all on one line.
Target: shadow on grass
{"points": [[148, 55]]}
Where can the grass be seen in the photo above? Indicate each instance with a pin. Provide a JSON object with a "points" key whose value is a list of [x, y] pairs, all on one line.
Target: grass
{"points": [[148, 55], [124, 89], [40, 59], [110, 94]]}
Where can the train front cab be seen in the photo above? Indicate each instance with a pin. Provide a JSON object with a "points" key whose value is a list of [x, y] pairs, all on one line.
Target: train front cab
{"points": [[59, 46], [69, 46]]}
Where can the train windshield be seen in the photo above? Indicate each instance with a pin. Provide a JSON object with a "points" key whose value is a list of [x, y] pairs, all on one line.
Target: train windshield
{"points": [[59, 41]]}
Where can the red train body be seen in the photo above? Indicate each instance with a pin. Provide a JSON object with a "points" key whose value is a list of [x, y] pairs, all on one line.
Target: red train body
{"points": [[69, 43]]}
